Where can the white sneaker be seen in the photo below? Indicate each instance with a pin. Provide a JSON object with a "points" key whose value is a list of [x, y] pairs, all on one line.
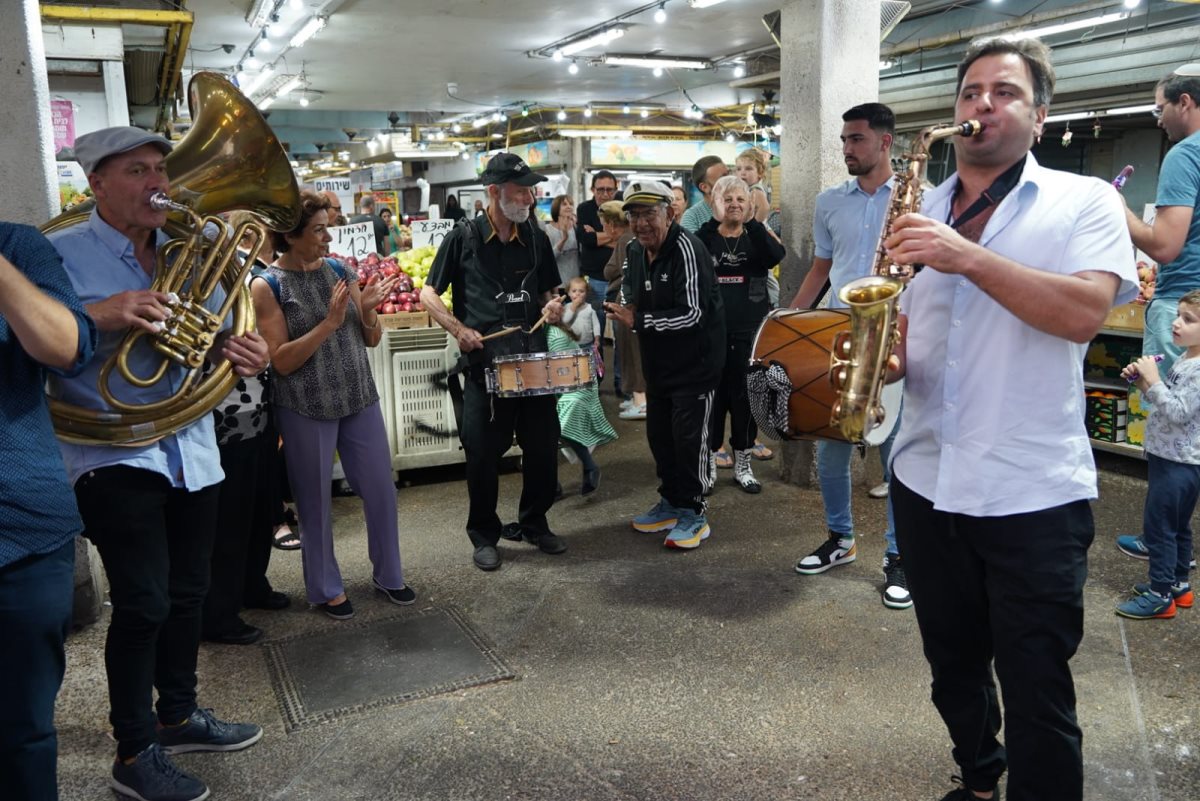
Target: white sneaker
{"points": [[743, 474], [878, 491]]}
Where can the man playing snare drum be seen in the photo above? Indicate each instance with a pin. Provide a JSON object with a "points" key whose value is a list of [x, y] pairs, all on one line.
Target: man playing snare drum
{"points": [[502, 270]]}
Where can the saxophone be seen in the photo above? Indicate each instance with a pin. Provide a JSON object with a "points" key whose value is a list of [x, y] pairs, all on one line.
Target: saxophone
{"points": [[858, 364]]}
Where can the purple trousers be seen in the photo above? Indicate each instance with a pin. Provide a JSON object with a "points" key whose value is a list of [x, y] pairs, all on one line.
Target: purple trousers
{"points": [[361, 443]]}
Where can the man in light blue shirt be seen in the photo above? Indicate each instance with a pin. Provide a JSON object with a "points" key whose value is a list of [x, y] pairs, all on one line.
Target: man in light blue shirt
{"points": [[150, 510], [846, 229], [1174, 238], [705, 173]]}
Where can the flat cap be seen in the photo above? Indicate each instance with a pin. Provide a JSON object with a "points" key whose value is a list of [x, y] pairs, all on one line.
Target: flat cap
{"points": [[93, 148]]}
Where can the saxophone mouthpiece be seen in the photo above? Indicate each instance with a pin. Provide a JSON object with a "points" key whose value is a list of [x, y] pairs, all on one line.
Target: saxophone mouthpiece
{"points": [[971, 128]]}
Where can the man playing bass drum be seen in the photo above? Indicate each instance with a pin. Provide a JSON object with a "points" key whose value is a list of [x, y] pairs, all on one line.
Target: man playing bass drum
{"points": [[502, 270]]}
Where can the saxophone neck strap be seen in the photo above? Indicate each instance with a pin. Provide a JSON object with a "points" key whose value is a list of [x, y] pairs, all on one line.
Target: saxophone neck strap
{"points": [[985, 204]]}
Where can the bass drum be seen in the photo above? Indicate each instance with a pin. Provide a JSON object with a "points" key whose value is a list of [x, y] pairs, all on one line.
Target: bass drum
{"points": [[791, 390]]}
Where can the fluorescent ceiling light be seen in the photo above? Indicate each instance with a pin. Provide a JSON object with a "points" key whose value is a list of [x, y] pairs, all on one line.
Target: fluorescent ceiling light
{"points": [[1079, 115], [1132, 109], [308, 31], [596, 133], [704, 3], [886, 65], [655, 62], [266, 102], [1074, 25], [293, 83], [602, 38], [425, 154], [255, 83]]}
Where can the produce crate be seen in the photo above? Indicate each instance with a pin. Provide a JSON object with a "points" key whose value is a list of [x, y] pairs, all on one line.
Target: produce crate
{"points": [[404, 320], [1107, 356], [1106, 433], [1135, 427], [1129, 317]]}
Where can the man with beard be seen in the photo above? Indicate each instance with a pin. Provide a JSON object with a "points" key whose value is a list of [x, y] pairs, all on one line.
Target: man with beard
{"points": [[503, 271], [846, 228], [1022, 265]]}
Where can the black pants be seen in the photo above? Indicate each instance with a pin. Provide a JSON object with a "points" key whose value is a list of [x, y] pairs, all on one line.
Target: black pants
{"points": [[242, 545], [489, 424], [155, 542], [1006, 591], [677, 428], [35, 613], [731, 397]]}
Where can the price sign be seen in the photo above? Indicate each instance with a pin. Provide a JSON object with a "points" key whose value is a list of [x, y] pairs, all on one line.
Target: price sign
{"points": [[341, 188], [355, 239], [430, 232]]}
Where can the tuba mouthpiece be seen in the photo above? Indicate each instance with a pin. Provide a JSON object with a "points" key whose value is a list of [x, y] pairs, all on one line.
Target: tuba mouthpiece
{"points": [[160, 202]]}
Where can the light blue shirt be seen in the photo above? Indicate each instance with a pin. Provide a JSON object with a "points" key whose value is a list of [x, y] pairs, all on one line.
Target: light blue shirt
{"points": [[1179, 185], [696, 216], [846, 228], [100, 262], [993, 420]]}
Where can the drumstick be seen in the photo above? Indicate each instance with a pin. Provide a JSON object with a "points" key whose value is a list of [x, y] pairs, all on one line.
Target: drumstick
{"points": [[541, 320], [500, 333]]}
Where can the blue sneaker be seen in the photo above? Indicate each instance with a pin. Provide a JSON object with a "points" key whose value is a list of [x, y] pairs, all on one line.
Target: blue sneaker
{"points": [[660, 518], [152, 776], [1147, 606], [203, 732], [1133, 545], [1182, 595], [691, 530]]}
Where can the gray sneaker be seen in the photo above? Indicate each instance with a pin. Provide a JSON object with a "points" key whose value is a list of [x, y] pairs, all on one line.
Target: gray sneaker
{"points": [[203, 732], [152, 776]]}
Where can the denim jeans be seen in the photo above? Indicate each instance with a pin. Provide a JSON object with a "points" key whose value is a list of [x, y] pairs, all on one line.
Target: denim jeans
{"points": [[35, 612], [833, 472], [1157, 337], [1166, 520]]}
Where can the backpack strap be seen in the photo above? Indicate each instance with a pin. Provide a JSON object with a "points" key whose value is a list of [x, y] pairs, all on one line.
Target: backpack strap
{"points": [[338, 268]]}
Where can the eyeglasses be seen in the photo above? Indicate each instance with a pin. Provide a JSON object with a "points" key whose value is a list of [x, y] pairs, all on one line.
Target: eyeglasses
{"points": [[642, 216], [1156, 112], [604, 190]]}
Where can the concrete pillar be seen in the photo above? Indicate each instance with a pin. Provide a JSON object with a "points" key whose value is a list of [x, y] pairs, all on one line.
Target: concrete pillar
{"points": [[830, 59], [27, 170]]}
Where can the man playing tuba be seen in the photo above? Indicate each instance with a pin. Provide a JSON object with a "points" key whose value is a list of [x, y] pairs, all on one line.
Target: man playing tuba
{"points": [[150, 510]]}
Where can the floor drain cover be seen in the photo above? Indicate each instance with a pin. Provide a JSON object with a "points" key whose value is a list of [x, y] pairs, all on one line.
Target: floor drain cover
{"points": [[355, 667]]}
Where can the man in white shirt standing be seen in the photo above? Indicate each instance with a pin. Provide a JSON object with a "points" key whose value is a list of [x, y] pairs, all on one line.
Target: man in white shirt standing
{"points": [[991, 500]]}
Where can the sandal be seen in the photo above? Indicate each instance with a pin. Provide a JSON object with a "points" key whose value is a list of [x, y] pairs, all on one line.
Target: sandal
{"points": [[285, 539], [762, 452], [723, 459]]}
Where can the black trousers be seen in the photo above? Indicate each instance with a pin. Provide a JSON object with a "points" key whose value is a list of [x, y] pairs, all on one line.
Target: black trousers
{"points": [[1003, 591], [242, 544], [732, 399], [489, 424], [677, 429], [155, 542]]}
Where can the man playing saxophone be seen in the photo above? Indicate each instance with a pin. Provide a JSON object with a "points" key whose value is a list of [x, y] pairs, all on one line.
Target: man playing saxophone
{"points": [[991, 496], [150, 510]]}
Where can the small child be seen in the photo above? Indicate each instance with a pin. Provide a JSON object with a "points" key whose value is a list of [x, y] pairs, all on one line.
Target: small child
{"points": [[751, 167], [581, 419], [579, 315], [1173, 455]]}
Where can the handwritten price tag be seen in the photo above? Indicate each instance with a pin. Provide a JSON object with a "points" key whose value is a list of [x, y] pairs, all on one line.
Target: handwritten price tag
{"points": [[355, 239], [430, 232]]}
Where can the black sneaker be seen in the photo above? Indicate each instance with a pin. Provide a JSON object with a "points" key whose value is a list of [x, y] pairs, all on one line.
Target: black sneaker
{"points": [[342, 611], [547, 541], [837, 550], [152, 776], [401, 597], [203, 732], [895, 586], [961, 793]]}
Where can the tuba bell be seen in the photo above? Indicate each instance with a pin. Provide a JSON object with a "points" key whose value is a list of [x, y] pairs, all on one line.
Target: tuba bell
{"points": [[230, 159]]}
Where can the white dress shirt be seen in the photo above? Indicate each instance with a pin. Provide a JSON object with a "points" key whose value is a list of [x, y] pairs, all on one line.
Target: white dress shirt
{"points": [[993, 408]]}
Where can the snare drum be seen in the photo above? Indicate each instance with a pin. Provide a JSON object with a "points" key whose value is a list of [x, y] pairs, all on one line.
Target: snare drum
{"points": [[525, 374]]}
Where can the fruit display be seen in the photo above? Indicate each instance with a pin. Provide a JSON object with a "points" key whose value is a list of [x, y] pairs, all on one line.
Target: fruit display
{"points": [[411, 266], [1147, 273]]}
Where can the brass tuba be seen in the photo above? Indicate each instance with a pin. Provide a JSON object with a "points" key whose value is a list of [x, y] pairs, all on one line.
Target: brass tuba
{"points": [[230, 159]]}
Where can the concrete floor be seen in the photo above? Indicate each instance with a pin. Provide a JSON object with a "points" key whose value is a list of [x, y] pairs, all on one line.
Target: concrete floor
{"points": [[650, 674]]}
